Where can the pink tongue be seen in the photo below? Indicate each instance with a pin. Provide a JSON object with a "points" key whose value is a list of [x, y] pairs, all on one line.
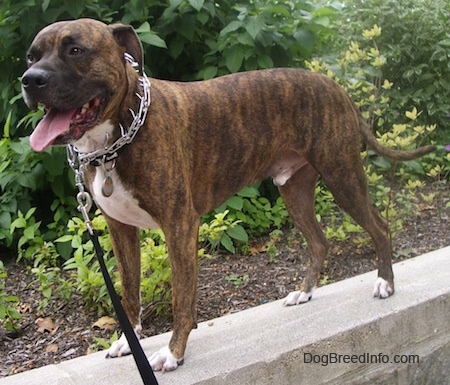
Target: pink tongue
{"points": [[53, 124]]}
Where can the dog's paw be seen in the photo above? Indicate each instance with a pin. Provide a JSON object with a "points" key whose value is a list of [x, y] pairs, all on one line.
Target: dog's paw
{"points": [[164, 361], [119, 348], [382, 289], [296, 298]]}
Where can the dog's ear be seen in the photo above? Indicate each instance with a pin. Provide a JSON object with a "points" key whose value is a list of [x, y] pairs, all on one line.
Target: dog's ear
{"points": [[126, 36]]}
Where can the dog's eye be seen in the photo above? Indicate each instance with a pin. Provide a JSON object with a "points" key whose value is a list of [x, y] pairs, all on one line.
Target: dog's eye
{"points": [[30, 59], [75, 51]]}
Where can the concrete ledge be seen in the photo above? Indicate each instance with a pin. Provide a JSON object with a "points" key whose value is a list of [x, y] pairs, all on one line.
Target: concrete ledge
{"points": [[271, 344]]}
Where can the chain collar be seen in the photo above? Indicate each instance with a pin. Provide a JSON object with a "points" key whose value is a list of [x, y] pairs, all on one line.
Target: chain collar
{"points": [[78, 160], [107, 154]]}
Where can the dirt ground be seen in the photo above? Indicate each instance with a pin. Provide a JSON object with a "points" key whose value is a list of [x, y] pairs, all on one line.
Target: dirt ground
{"points": [[227, 284]]}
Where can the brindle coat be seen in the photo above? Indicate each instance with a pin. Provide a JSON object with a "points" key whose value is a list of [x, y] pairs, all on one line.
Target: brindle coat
{"points": [[200, 144]]}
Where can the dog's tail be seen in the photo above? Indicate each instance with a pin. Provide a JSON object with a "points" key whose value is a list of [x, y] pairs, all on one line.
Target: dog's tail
{"points": [[395, 155]]}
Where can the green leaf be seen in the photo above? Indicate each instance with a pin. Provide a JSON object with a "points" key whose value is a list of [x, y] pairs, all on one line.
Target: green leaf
{"points": [[5, 219], [21, 242], [280, 10], [197, 4], [203, 17], [143, 28], [325, 11], [4, 165], [176, 46], [47, 292], [45, 5], [382, 162], [30, 213], [153, 39], [254, 26], [246, 39], [29, 232], [235, 202], [414, 164], [226, 242], [234, 58], [12, 298], [64, 238], [209, 72], [231, 27], [305, 39], [322, 20], [265, 61], [18, 223], [27, 180], [248, 192], [7, 125], [238, 232]]}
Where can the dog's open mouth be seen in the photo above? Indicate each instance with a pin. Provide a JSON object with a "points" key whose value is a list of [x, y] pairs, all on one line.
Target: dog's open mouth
{"points": [[62, 127]]}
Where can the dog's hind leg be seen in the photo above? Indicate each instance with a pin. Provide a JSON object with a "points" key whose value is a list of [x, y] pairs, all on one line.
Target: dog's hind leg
{"points": [[349, 188], [298, 194]]}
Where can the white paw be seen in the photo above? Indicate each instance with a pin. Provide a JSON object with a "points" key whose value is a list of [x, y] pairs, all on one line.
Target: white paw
{"points": [[296, 298], [121, 347], [164, 360], [381, 288]]}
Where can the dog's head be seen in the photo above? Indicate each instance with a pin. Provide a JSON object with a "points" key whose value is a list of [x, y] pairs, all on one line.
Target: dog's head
{"points": [[77, 71]]}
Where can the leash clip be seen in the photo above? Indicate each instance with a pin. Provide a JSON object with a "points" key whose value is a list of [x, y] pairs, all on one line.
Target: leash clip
{"points": [[84, 206]]}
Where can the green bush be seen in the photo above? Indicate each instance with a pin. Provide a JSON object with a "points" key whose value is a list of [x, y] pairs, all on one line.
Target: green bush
{"points": [[256, 214], [415, 43], [183, 39], [27, 180], [9, 316]]}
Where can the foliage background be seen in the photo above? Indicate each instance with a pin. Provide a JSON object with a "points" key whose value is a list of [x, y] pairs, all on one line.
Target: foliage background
{"points": [[188, 40], [201, 39], [415, 41]]}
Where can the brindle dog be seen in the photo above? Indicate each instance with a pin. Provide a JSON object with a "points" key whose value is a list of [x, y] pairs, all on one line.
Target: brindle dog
{"points": [[201, 143]]}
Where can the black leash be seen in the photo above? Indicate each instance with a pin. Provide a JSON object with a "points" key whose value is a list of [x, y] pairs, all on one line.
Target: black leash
{"points": [[78, 162], [145, 370]]}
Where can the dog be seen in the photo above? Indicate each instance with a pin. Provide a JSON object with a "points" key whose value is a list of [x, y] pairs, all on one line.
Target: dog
{"points": [[199, 144]]}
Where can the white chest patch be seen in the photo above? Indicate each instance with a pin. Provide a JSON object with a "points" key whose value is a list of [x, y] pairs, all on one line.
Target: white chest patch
{"points": [[121, 205]]}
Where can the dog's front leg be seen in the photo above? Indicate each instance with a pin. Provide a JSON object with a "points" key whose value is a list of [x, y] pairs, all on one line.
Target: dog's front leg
{"points": [[126, 247], [182, 244]]}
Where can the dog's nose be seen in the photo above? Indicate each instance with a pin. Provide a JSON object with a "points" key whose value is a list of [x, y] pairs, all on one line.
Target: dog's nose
{"points": [[35, 79]]}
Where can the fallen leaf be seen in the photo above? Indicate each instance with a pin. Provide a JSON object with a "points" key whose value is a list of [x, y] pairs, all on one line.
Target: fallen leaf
{"points": [[53, 348], [426, 207], [105, 323], [258, 249], [46, 325]]}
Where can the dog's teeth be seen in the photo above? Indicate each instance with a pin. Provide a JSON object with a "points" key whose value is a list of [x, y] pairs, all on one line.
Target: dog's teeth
{"points": [[85, 108]]}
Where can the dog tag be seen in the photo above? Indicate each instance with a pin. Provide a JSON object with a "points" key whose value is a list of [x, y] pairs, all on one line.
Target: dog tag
{"points": [[107, 187]]}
